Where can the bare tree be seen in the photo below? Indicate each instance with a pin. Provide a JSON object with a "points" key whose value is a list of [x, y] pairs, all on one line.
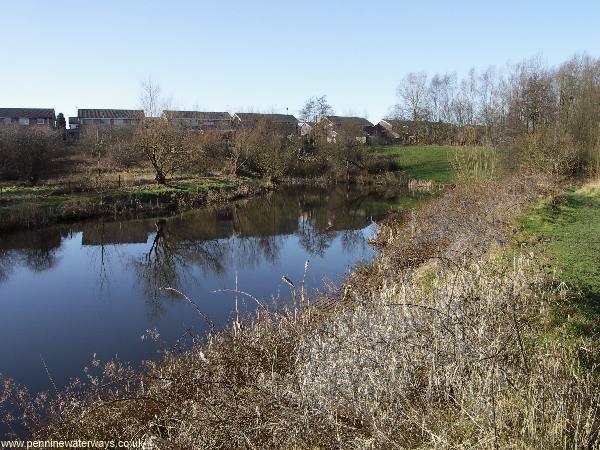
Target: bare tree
{"points": [[165, 145], [26, 153], [435, 92], [314, 109], [447, 92], [151, 98], [412, 93]]}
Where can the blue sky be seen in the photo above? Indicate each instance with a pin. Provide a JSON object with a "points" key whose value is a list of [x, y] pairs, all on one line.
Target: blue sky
{"points": [[268, 55]]}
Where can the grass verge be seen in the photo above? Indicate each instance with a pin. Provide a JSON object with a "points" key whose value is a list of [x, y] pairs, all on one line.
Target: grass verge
{"points": [[565, 231]]}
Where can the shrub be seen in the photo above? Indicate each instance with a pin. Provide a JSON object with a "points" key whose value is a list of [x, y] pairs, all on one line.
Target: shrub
{"points": [[475, 163], [379, 164], [26, 152]]}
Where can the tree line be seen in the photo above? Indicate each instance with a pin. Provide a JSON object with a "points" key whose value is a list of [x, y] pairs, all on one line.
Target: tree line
{"points": [[543, 117]]}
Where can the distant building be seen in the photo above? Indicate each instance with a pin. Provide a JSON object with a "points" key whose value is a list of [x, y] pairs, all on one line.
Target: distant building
{"points": [[106, 118], [305, 128], [28, 117], [384, 133], [358, 127], [286, 123], [202, 120]]}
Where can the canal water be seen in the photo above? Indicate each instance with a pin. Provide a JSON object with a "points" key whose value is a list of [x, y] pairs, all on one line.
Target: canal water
{"points": [[73, 291]]}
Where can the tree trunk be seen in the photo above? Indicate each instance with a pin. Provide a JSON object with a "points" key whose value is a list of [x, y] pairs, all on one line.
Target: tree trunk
{"points": [[160, 178]]}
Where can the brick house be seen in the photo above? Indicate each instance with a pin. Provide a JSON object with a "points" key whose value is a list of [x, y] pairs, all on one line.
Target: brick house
{"points": [[28, 117]]}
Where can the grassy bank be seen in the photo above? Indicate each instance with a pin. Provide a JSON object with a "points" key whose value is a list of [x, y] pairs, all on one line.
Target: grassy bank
{"points": [[32, 206], [564, 230]]}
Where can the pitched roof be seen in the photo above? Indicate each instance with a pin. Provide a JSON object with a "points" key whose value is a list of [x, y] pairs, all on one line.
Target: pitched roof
{"points": [[200, 115], [110, 113], [29, 113], [343, 121], [276, 118]]}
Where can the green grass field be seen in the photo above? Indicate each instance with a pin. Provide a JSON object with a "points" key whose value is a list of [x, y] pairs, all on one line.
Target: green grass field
{"points": [[565, 230], [425, 162]]}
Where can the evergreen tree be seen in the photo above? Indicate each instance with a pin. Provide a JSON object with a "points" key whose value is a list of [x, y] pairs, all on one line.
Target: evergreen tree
{"points": [[61, 123]]}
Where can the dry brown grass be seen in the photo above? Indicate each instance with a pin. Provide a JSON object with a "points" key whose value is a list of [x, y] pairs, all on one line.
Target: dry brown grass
{"points": [[450, 357]]}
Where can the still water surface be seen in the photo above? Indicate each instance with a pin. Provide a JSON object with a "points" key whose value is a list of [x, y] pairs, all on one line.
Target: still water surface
{"points": [[68, 292]]}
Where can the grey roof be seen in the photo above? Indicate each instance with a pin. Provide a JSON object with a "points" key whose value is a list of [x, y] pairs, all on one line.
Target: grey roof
{"points": [[200, 115], [29, 113], [110, 113], [343, 121], [273, 118]]}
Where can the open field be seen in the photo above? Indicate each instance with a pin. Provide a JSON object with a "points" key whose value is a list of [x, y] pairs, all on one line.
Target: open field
{"points": [[425, 162]]}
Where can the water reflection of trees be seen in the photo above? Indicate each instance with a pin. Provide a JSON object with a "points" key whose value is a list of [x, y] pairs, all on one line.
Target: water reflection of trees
{"points": [[35, 250], [245, 235]]}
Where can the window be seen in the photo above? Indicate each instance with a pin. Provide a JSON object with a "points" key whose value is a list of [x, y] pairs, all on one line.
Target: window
{"points": [[23, 121], [7, 120], [41, 121], [106, 121], [118, 122]]}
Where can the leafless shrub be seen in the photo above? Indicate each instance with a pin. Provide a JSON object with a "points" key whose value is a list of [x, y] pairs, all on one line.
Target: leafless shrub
{"points": [[165, 145], [449, 363], [26, 152]]}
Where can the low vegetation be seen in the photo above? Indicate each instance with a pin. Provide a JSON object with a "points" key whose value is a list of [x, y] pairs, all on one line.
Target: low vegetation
{"points": [[436, 344], [27, 207]]}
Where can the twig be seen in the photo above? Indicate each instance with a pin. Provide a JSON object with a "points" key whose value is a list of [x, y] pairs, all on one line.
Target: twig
{"points": [[237, 291], [191, 302]]}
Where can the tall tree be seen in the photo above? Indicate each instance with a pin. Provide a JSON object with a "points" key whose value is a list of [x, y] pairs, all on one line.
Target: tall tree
{"points": [[314, 108], [412, 93], [151, 98], [61, 123]]}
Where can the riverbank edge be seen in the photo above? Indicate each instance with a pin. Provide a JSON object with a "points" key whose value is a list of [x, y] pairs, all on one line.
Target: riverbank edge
{"points": [[144, 201], [40, 211]]}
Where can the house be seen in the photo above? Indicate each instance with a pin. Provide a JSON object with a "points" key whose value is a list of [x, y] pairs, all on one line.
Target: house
{"points": [[383, 133], [305, 128], [285, 123], [358, 127], [201, 120], [106, 118], [28, 116]]}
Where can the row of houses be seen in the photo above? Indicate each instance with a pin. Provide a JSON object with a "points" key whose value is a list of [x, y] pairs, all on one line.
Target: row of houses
{"points": [[384, 132], [221, 121]]}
